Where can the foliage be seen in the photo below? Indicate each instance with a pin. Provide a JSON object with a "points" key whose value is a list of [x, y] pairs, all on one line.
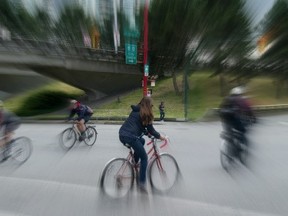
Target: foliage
{"points": [[48, 98], [72, 23]]}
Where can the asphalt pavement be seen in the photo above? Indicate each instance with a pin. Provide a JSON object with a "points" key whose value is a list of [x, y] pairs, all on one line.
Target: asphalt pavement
{"points": [[58, 182]]}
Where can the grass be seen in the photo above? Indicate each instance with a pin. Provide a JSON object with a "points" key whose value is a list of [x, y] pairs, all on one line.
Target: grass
{"points": [[203, 94]]}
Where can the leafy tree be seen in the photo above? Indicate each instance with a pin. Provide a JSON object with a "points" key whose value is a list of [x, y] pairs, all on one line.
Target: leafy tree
{"points": [[275, 40], [184, 32], [71, 24]]}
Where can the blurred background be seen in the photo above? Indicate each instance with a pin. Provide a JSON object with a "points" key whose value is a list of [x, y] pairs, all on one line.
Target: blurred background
{"points": [[92, 50]]}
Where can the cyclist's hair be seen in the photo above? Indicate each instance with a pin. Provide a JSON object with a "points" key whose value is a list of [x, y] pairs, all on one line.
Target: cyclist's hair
{"points": [[146, 113]]}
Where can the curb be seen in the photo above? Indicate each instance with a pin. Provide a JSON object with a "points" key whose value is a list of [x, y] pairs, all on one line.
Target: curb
{"points": [[116, 121], [261, 110], [210, 115]]}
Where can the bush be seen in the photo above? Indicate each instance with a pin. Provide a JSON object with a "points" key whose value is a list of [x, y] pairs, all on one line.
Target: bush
{"points": [[43, 101]]}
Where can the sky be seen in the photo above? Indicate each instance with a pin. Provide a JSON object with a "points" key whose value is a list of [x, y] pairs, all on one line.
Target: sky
{"points": [[257, 9]]}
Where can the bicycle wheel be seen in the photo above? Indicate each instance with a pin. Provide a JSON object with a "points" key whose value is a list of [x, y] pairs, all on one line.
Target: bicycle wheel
{"points": [[21, 149], [68, 138], [117, 178], [225, 159], [163, 172], [91, 136], [244, 154]]}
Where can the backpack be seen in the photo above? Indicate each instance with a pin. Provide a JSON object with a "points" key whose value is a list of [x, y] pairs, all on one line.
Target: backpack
{"points": [[89, 109]]}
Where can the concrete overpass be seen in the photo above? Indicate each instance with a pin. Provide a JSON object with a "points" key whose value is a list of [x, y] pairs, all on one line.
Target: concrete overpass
{"points": [[98, 72], [13, 81]]}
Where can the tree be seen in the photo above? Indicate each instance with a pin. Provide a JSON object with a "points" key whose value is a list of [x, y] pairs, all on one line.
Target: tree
{"points": [[275, 42], [71, 25], [184, 32]]}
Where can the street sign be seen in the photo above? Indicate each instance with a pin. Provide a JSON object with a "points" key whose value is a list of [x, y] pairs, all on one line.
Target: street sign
{"points": [[131, 53], [146, 70]]}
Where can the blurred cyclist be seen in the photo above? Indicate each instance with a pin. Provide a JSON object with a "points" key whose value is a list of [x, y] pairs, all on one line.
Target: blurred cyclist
{"points": [[84, 114], [8, 124], [139, 120], [236, 112]]}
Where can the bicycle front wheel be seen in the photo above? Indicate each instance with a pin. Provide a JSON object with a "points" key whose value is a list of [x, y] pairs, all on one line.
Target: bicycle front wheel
{"points": [[21, 149], [68, 138], [163, 172], [91, 136], [117, 178]]}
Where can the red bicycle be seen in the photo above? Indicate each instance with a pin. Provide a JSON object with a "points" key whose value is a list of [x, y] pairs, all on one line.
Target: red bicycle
{"points": [[119, 174]]}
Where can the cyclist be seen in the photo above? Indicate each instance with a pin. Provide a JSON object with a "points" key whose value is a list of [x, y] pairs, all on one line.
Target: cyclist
{"points": [[139, 120], [84, 114], [235, 110], [9, 122]]}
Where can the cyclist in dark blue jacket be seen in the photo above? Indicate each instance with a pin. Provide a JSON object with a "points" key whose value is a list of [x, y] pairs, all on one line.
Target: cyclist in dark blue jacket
{"points": [[84, 114], [9, 122], [140, 119]]}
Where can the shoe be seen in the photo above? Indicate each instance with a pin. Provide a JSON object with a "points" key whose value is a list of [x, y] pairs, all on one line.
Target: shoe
{"points": [[142, 189], [83, 135]]}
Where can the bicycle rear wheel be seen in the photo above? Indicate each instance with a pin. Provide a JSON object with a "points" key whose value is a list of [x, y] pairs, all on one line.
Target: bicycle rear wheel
{"points": [[91, 136], [68, 138], [225, 159], [21, 149], [163, 173], [117, 178]]}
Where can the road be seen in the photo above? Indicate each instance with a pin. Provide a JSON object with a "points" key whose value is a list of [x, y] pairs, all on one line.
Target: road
{"points": [[55, 182]]}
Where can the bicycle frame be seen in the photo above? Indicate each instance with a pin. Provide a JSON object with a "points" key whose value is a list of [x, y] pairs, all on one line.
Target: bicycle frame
{"points": [[152, 152], [75, 128]]}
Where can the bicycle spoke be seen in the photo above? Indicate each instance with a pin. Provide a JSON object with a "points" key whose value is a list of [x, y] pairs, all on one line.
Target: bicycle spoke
{"points": [[21, 149], [117, 178], [163, 172], [68, 138], [91, 136]]}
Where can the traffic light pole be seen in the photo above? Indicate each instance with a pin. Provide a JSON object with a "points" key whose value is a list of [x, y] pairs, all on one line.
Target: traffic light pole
{"points": [[145, 51]]}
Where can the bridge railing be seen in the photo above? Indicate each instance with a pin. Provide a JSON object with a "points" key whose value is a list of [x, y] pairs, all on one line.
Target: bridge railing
{"points": [[61, 49]]}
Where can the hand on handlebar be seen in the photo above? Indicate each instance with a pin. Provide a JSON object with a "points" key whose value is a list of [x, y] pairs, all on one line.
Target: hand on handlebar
{"points": [[163, 138]]}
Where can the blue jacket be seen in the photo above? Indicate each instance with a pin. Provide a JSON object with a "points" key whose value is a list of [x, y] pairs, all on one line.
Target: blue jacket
{"points": [[133, 125], [81, 112], [9, 120]]}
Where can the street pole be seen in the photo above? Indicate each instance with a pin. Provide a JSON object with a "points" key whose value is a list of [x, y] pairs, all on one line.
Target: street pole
{"points": [[145, 51], [185, 94]]}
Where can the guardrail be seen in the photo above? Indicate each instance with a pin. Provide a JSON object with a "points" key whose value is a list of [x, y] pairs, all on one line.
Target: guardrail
{"points": [[212, 114], [61, 49]]}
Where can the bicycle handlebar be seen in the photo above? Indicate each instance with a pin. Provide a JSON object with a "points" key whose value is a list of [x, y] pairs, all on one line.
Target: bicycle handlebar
{"points": [[161, 146]]}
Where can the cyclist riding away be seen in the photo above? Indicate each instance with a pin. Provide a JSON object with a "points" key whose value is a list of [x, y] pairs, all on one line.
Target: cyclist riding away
{"points": [[8, 124], [140, 119], [84, 114], [236, 113]]}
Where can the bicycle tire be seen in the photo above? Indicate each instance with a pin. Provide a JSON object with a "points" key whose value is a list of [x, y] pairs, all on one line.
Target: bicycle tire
{"points": [[159, 173], [71, 136], [244, 155], [225, 160], [117, 178], [91, 136], [21, 149]]}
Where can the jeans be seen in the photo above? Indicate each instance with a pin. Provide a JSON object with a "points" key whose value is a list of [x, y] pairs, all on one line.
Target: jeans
{"points": [[137, 145], [162, 115]]}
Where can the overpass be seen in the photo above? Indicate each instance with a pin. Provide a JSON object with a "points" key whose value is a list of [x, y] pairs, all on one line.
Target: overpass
{"points": [[98, 72]]}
